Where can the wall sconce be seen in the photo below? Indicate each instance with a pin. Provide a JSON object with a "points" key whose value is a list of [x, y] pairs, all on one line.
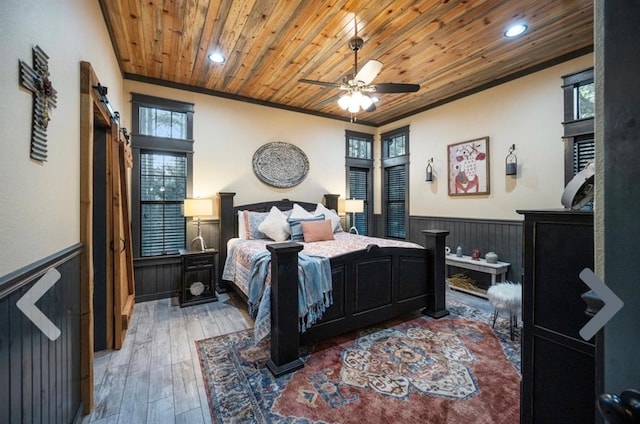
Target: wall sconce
{"points": [[511, 162], [429, 177]]}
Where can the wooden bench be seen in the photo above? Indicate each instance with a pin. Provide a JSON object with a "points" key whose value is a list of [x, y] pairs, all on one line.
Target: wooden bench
{"points": [[498, 271]]}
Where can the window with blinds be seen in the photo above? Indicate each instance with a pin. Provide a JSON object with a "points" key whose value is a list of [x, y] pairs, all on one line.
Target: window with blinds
{"points": [[162, 160], [359, 184], [395, 195], [584, 151], [395, 183], [163, 188], [359, 164]]}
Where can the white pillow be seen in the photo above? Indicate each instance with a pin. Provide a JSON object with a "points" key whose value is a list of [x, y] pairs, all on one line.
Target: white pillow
{"points": [[299, 212], [329, 214], [275, 225], [241, 233]]}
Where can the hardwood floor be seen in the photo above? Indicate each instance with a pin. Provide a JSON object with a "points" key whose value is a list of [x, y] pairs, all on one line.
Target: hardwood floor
{"points": [[156, 377]]}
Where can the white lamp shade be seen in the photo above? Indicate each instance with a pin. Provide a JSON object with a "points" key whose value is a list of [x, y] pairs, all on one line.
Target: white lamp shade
{"points": [[354, 205], [198, 207], [344, 101], [365, 102], [354, 106]]}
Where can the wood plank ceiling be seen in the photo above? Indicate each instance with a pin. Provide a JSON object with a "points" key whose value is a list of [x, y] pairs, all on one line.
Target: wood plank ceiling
{"points": [[450, 47]]}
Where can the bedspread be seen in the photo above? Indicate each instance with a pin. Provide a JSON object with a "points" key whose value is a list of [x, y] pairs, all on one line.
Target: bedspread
{"points": [[248, 266]]}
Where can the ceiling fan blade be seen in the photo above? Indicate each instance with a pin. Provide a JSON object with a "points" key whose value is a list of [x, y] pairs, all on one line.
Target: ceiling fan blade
{"points": [[391, 87], [323, 83], [369, 71], [328, 101]]}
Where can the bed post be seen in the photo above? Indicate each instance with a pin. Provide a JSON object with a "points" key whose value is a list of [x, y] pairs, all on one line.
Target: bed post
{"points": [[227, 231], [284, 308], [435, 243]]}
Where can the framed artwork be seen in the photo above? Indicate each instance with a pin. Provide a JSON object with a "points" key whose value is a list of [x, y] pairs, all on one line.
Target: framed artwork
{"points": [[468, 163]]}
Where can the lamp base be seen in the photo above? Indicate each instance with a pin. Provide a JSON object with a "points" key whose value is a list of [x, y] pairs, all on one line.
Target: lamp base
{"points": [[353, 230], [199, 244]]}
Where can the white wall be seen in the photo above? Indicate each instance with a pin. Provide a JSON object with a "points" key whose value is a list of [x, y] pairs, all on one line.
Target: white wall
{"points": [[228, 132], [527, 112], [40, 214]]}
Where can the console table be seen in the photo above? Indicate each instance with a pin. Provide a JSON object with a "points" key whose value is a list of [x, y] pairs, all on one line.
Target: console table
{"points": [[498, 271]]}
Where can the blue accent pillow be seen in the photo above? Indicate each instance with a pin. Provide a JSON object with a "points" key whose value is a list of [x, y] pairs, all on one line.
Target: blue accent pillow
{"points": [[296, 226]]}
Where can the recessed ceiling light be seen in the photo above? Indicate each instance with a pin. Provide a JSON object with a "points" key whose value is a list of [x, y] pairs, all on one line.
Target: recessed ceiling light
{"points": [[515, 30], [217, 58]]}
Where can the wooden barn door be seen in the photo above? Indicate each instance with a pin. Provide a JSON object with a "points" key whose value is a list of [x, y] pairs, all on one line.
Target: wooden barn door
{"points": [[116, 258], [119, 159]]}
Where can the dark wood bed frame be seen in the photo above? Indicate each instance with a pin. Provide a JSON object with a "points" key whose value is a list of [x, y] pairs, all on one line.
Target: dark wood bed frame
{"points": [[369, 286]]}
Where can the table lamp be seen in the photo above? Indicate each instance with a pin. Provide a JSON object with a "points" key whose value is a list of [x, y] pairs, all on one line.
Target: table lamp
{"points": [[198, 208], [353, 206]]}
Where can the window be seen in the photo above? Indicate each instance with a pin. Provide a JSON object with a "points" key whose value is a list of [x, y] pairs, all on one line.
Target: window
{"points": [[584, 151], [163, 187], [579, 110], [584, 100], [162, 172], [359, 165], [395, 182], [162, 123]]}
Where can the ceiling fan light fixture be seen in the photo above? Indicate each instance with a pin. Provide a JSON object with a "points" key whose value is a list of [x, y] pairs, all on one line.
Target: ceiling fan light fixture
{"points": [[358, 90], [344, 101], [515, 30], [354, 106], [365, 101]]}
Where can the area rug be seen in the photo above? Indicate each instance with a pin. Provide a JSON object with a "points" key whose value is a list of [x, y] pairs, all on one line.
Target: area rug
{"points": [[453, 370]]}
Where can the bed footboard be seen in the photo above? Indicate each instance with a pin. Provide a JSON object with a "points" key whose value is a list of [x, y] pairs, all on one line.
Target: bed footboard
{"points": [[369, 286]]}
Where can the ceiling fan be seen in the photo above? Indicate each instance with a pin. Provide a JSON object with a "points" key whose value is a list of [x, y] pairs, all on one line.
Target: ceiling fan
{"points": [[358, 87]]}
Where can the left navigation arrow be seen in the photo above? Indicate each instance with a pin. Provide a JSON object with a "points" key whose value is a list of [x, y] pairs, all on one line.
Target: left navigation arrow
{"points": [[27, 304]]}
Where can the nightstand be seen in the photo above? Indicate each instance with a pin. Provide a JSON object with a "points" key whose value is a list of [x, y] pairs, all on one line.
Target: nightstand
{"points": [[198, 276]]}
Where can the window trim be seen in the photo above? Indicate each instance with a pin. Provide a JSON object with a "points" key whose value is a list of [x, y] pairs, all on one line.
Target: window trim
{"points": [[575, 130], [389, 134], [351, 162], [149, 144], [388, 162]]}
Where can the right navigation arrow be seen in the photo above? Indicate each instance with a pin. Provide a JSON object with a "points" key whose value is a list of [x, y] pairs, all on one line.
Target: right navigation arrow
{"points": [[612, 304]]}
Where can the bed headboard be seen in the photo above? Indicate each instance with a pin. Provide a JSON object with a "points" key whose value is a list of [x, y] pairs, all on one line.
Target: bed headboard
{"points": [[229, 217]]}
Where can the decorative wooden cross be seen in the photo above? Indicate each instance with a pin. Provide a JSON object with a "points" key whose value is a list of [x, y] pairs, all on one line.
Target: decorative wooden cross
{"points": [[36, 79]]}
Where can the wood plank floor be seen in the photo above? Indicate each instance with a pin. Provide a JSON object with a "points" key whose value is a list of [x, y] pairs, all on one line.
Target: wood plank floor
{"points": [[156, 377]]}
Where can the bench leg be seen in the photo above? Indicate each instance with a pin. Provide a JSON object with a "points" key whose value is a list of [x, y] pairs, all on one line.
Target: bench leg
{"points": [[512, 318]]}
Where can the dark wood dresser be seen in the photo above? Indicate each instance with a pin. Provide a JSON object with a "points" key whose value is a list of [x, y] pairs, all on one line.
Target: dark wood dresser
{"points": [[558, 366]]}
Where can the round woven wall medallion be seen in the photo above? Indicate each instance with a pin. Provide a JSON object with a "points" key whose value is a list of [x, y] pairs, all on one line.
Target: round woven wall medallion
{"points": [[280, 164]]}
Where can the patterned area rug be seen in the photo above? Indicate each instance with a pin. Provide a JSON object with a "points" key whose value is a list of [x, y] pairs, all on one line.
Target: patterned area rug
{"points": [[453, 370]]}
